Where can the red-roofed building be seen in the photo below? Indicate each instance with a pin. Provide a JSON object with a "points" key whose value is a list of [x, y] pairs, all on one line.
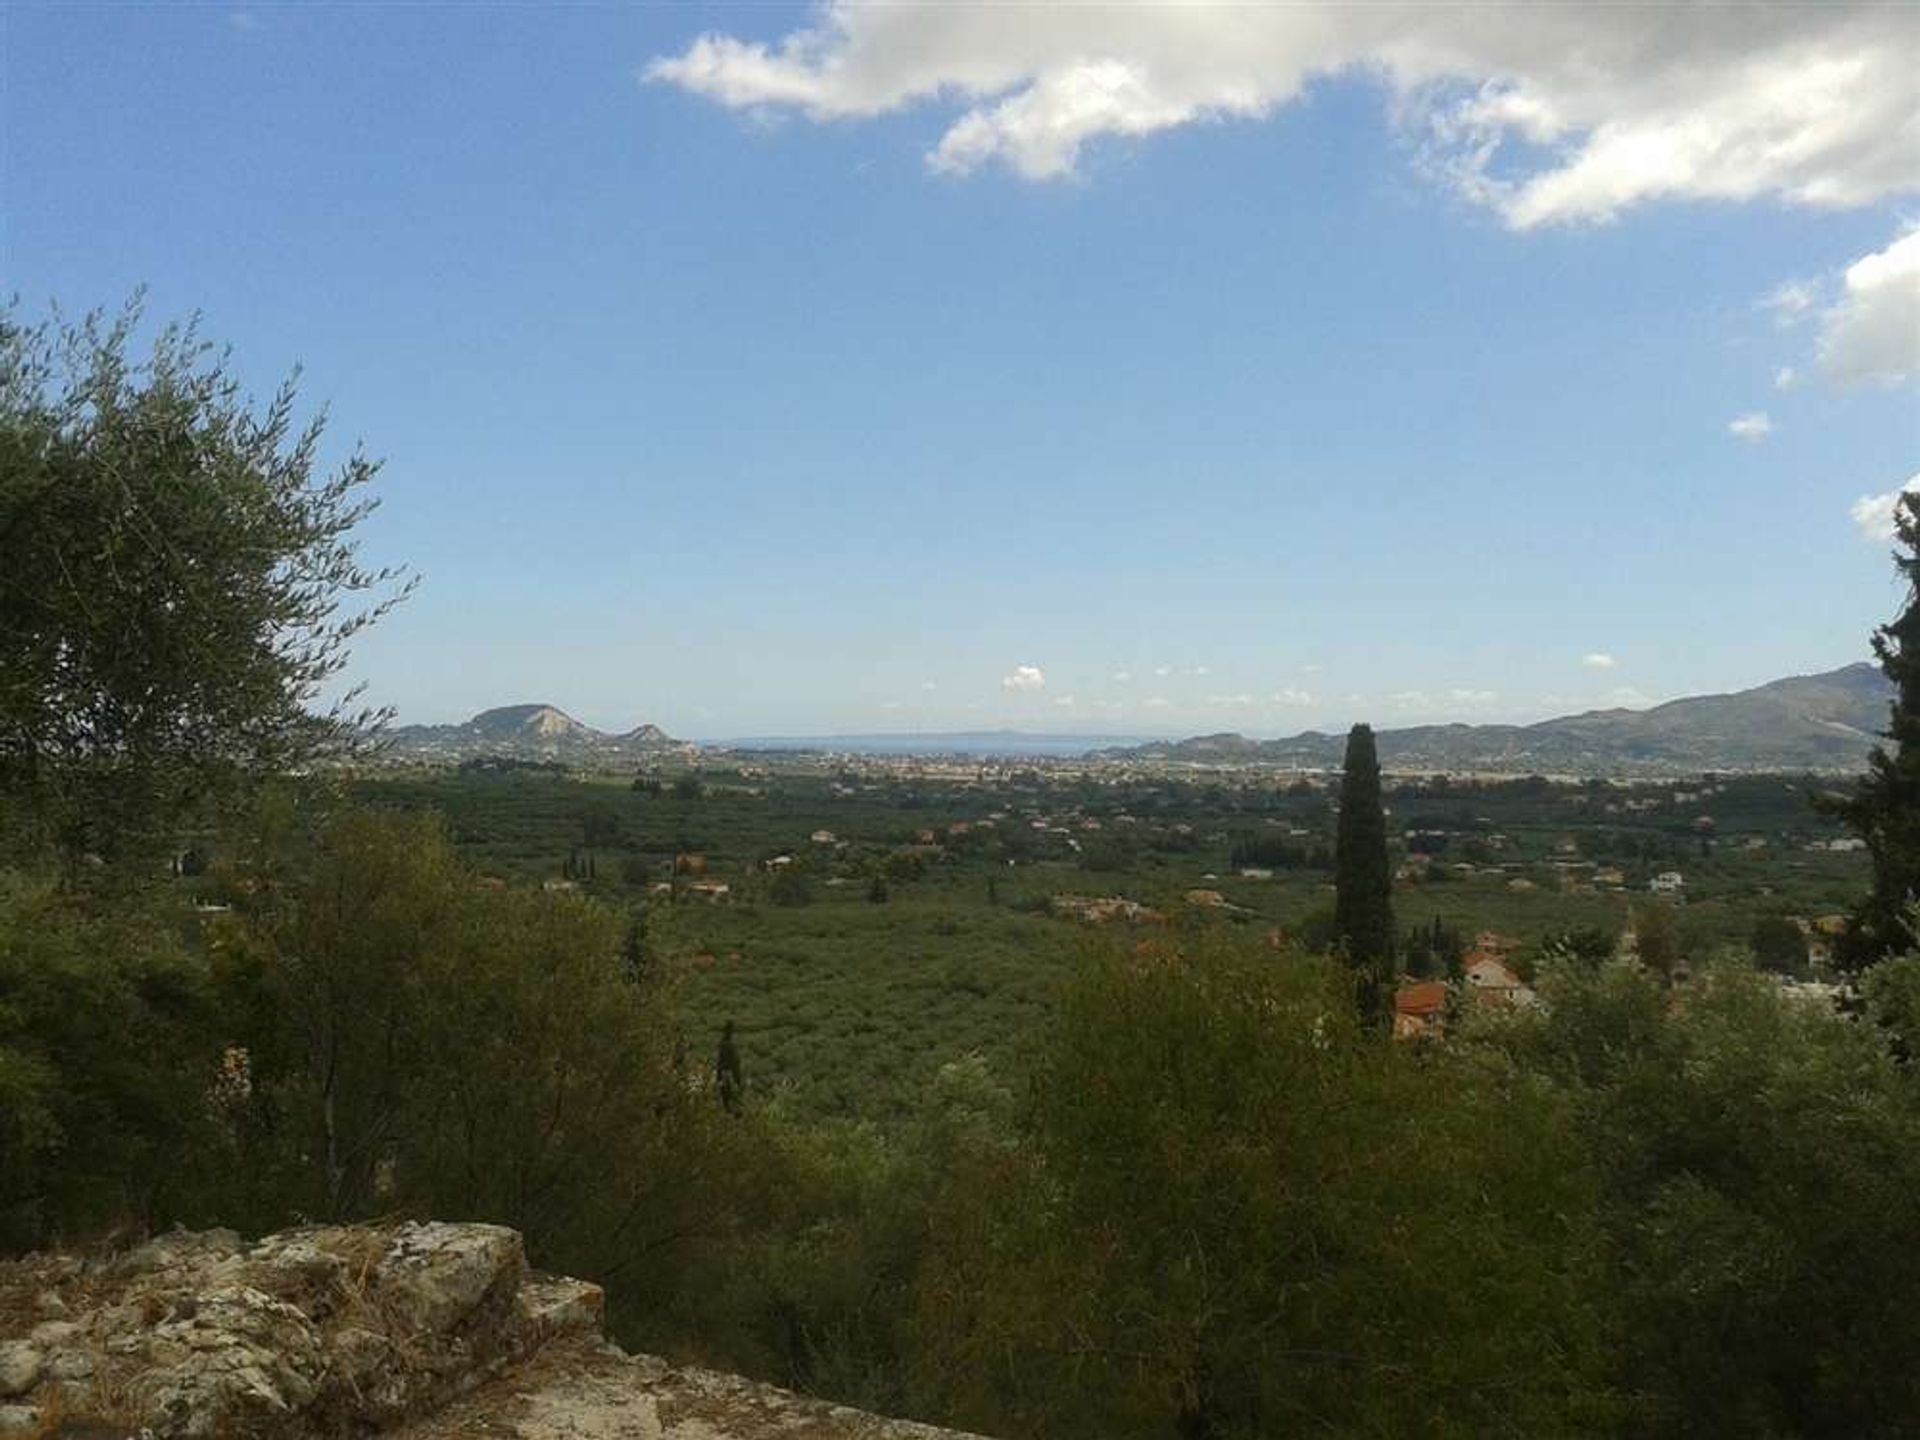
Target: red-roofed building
{"points": [[1492, 981], [1420, 1010]]}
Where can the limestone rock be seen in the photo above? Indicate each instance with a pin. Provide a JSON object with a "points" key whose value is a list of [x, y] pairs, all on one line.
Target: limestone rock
{"points": [[438, 1276], [240, 1364], [307, 1332], [587, 1391], [557, 1305], [53, 1333], [19, 1368], [424, 1331], [177, 1253]]}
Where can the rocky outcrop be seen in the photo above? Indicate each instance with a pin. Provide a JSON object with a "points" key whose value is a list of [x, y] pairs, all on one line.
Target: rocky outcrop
{"points": [[586, 1390], [427, 1331]]}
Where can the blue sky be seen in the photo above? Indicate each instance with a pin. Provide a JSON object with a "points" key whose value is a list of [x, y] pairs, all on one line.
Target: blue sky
{"points": [[857, 370]]}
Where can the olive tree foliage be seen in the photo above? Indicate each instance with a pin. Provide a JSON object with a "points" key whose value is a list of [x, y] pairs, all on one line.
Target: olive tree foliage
{"points": [[424, 1045], [1892, 992], [178, 581], [109, 1045], [1235, 1213], [1759, 1160]]}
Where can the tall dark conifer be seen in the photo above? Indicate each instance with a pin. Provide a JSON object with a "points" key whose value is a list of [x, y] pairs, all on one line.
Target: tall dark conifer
{"points": [[1363, 878], [1885, 810]]}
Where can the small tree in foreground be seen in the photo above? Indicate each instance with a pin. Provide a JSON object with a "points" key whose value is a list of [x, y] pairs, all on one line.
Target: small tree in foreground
{"points": [[177, 584]]}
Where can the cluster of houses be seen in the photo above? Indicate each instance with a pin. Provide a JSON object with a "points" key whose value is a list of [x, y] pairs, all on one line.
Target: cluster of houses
{"points": [[1421, 1008], [1105, 909], [1571, 872]]}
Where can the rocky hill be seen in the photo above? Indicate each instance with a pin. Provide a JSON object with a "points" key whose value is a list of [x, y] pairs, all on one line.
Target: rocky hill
{"points": [[417, 1331], [1805, 722], [529, 732], [531, 724]]}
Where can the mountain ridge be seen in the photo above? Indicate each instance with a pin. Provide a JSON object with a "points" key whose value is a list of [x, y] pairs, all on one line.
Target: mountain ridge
{"points": [[1825, 721]]}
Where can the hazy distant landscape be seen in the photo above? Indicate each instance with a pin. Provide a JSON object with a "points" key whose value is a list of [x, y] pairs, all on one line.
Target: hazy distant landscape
{"points": [[1806, 722]]}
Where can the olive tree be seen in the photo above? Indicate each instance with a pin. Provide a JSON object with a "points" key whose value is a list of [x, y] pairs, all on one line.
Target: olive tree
{"points": [[178, 581]]}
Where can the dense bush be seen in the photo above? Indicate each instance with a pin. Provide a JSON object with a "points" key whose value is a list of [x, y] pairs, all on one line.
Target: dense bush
{"points": [[369, 1031], [110, 1046], [1233, 1214], [436, 1047], [1759, 1159]]}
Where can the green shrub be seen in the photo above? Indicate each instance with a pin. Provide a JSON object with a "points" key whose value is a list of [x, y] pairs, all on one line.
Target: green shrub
{"points": [[1236, 1215]]}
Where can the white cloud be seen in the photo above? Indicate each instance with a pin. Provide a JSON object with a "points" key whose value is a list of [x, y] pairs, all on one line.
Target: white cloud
{"points": [[1753, 427], [1626, 697], [1547, 113], [927, 687], [1874, 513], [1791, 300], [1024, 677], [1288, 695], [1156, 702], [890, 705], [1121, 677], [1448, 701], [1785, 377], [1064, 702], [1872, 332], [1598, 660], [1163, 670]]}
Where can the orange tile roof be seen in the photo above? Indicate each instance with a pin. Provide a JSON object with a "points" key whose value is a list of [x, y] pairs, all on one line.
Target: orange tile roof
{"points": [[1429, 997]]}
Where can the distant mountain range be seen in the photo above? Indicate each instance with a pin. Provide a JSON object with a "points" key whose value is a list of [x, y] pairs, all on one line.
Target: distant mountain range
{"points": [[542, 732], [1805, 722]]}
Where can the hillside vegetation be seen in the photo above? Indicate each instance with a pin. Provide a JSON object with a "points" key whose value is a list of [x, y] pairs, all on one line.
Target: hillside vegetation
{"points": [[1045, 1101]]}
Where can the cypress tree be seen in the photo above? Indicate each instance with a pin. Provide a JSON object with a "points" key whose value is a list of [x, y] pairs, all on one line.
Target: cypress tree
{"points": [[728, 1078], [1885, 809], [1363, 879], [635, 960]]}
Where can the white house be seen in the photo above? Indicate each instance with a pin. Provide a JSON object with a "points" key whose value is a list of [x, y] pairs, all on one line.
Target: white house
{"points": [[1491, 980]]}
